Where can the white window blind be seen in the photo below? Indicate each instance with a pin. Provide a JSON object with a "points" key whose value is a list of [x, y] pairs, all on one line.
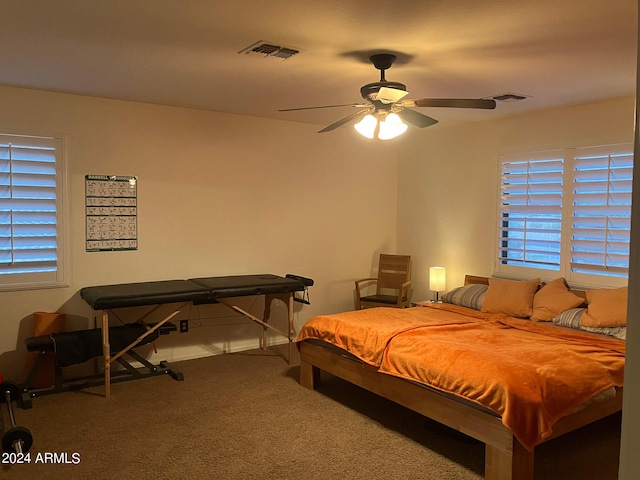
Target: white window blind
{"points": [[531, 211], [601, 217], [568, 212], [30, 212]]}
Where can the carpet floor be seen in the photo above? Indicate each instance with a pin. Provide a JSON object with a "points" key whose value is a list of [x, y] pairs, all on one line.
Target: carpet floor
{"points": [[244, 416]]}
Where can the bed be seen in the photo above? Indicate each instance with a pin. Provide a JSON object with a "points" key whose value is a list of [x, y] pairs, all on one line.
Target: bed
{"points": [[539, 380]]}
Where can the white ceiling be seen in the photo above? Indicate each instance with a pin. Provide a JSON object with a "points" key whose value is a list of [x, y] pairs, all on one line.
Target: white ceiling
{"points": [[186, 52]]}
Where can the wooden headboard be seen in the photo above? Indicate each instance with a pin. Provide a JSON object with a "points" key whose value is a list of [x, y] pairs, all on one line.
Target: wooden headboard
{"points": [[469, 279]]}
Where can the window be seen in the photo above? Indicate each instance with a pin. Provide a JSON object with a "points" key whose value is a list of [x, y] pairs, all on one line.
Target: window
{"points": [[531, 211], [31, 213], [566, 213]]}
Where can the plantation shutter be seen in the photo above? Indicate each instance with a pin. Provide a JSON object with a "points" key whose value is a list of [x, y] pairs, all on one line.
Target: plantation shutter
{"points": [[531, 210], [601, 217], [28, 209]]}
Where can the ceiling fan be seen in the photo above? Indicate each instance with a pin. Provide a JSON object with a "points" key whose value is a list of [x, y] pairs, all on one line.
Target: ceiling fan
{"points": [[386, 107]]}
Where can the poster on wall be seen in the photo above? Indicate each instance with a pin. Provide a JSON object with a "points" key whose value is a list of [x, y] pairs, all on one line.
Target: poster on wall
{"points": [[112, 212]]}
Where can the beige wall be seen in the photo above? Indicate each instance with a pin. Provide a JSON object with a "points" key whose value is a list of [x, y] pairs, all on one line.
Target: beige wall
{"points": [[218, 195], [447, 181]]}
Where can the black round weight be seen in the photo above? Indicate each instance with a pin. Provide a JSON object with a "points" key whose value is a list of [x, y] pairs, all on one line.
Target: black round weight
{"points": [[17, 434], [14, 390]]}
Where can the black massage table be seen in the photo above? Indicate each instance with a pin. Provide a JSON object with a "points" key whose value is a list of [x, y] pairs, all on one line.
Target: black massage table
{"points": [[104, 299]]}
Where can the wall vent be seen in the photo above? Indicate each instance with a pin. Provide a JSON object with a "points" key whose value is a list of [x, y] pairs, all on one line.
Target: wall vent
{"points": [[270, 50], [509, 97]]}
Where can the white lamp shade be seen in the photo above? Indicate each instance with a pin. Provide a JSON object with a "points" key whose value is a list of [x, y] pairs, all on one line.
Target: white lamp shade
{"points": [[437, 279], [391, 127], [367, 126]]}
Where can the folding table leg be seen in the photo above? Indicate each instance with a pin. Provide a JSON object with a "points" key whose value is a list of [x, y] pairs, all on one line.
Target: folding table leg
{"points": [[287, 299], [106, 353], [106, 347]]}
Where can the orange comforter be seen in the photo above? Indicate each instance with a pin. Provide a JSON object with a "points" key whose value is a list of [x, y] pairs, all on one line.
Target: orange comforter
{"points": [[530, 374]]}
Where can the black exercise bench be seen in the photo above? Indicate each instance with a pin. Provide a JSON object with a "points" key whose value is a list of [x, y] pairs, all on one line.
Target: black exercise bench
{"points": [[73, 348]]}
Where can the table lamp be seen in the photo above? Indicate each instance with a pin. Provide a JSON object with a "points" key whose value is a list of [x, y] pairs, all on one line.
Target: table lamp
{"points": [[437, 278]]}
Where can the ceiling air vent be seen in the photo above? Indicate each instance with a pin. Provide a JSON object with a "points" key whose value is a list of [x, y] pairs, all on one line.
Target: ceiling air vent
{"points": [[509, 97], [269, 50]]}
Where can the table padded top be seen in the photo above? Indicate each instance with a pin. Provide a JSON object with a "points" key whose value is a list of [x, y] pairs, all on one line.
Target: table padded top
{"points": [[244, 285], [196, 290], [144, 293]]}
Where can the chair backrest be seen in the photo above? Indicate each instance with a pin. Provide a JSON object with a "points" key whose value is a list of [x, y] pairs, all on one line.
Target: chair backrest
{"points": [[393, 271]]}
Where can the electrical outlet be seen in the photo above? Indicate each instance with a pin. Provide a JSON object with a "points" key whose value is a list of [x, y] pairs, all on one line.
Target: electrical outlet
{"points": [[184, 326]]}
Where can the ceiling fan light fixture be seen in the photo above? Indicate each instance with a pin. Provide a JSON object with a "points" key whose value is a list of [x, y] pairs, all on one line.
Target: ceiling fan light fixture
{"points": [[389, 127]]}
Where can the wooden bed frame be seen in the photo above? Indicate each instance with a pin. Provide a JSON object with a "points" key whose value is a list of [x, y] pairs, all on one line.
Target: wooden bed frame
{"points": [[505, 457]]}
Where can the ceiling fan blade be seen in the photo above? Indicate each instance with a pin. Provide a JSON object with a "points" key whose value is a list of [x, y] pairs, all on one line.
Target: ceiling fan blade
{"points": [[326, 106], [347, 119], [416, 118], [455, 102], [390, 95]]}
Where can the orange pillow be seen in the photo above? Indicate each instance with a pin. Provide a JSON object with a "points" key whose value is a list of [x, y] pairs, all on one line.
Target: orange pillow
{"points": [[553, 299], [511, 297], [606, 307]]}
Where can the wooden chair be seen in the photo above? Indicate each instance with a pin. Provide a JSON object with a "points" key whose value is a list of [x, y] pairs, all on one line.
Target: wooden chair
{"points": [[392, 284]]}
